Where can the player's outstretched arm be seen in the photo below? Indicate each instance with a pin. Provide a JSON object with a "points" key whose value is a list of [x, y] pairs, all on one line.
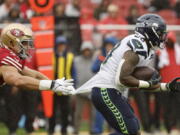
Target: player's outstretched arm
{"points": [[12, 77], [33, 73]]}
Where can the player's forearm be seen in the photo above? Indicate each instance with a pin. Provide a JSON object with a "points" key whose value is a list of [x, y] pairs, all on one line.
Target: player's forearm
{"points": [[33, 73], [162, 87], [129, 81], [30, 83], [26, 82], [41, 76]]}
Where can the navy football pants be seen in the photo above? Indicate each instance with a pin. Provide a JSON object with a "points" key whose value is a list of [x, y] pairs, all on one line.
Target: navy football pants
{"points": [[116, 110]]}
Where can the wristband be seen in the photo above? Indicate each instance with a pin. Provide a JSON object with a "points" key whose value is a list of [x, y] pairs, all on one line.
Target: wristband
{"points": [[45, 84], [163, 87], [143, 84]]}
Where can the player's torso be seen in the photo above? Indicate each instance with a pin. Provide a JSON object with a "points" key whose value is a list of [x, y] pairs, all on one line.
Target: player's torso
{"points": [[133, 42], [7, 57], [105, 78]]}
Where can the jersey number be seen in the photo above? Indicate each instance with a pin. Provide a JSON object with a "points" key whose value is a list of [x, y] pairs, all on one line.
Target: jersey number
{"points": [[110, 53]]}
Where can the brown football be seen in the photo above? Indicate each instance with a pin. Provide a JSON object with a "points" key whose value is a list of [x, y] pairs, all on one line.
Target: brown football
{"points": [[143, 73]]}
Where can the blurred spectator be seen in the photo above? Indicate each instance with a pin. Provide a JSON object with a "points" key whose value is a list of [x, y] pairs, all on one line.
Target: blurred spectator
{"points": [[101, 11], [177, 8], [14, 15], [108, 44], [26, 11], [73, 8], [113, 18], [157, 5], [133, 15], [63, 67], [87, 19], [59, 10], [60, 17], [83, 62], [5, 8], [169, 60], [145, 3]]}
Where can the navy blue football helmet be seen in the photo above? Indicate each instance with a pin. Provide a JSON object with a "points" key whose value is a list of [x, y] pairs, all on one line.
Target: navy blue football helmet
{"points": [[153, 27]]}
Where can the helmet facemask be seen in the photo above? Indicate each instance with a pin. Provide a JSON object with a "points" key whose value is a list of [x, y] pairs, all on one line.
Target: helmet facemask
{"points": [[25, 47], [161, 35]]}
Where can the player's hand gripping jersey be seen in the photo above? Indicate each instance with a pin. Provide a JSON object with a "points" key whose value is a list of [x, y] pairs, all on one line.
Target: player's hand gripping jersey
{"points": [[110, 68], [7, 57]]}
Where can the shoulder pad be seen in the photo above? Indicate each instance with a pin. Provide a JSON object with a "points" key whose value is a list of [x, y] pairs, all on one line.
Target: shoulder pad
{"points": [[137, 47]]}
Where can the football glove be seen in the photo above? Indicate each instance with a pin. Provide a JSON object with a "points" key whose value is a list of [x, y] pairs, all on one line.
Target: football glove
{"points": [[155, 79], [174, 85], [62, 85]]}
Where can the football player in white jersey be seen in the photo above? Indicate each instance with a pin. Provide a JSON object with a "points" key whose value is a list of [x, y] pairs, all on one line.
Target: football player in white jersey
{"points": [[115, 76]]}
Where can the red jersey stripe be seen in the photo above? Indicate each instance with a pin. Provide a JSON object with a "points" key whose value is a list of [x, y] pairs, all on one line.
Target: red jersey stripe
{"points": [[11, 63]]}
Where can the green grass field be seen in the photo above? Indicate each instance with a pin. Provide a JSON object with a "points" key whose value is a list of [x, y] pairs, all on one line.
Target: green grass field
{"points": [[20, 131], [83, 131]]}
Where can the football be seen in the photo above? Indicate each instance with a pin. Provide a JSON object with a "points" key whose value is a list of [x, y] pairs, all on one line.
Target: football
{"points": [[143, 73]]}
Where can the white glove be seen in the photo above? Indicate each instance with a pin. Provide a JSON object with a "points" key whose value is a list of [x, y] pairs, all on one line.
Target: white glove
{"points": [[61, 85], [69, 90]]}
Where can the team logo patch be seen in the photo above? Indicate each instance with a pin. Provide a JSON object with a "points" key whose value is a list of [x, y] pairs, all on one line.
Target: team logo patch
{"points": [[17, 33], [137, 44]]}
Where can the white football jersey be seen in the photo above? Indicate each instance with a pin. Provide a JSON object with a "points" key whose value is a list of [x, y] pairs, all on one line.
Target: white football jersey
{"points": [[106, 77]]}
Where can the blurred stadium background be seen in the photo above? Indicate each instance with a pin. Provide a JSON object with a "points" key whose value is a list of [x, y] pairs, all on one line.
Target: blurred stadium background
{"points": [[83, 21]]}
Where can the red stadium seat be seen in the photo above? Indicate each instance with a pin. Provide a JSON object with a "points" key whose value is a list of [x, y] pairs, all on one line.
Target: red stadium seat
{"points": [[169, 16], [124, 6], [86, 3], [178, 21]]}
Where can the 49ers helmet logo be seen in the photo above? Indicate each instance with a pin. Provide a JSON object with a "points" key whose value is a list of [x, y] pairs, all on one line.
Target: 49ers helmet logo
{"points": [[17, 33], [41, 6]]}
